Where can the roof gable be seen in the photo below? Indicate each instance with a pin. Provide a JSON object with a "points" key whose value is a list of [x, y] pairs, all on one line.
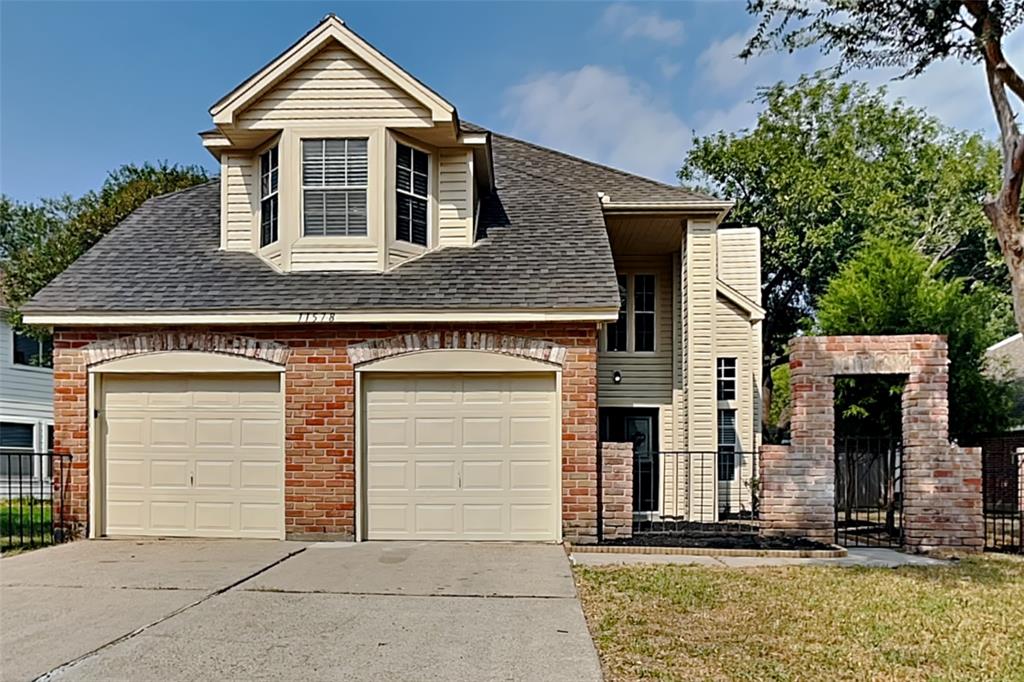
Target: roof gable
{"points": [[330, 31]]}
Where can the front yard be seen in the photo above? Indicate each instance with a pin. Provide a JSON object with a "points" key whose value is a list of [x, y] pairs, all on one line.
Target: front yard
{"points": [[961, 622]]}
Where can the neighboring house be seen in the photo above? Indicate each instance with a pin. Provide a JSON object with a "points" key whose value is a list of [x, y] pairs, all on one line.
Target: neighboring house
{"points": [[1005, 360], [26, 408], [385, 322]]}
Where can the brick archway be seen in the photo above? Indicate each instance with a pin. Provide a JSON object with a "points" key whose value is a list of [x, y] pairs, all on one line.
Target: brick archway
{"points": [[942, 504], [505, 344], [206, 342]]}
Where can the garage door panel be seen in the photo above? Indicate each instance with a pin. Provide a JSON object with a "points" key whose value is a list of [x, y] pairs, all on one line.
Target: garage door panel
{"points": [[482, 451], [435, 432], [388, 476], [215, 474], [187, 456], [436, 475], [530, 475], [169, 473], [480, 475], [220, 432]]}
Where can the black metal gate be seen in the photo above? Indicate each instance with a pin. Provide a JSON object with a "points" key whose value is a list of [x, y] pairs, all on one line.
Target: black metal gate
{"points": [[869, 492], [1002, 494]]}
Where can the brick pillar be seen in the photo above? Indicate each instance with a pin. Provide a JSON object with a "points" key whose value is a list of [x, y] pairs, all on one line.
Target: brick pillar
{"points": [[616, 491], [810, 467], [942, 501]]}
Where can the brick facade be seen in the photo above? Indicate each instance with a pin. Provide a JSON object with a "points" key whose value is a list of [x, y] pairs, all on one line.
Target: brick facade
{"points": [[320, 406], [616, 491], [942, 505]]}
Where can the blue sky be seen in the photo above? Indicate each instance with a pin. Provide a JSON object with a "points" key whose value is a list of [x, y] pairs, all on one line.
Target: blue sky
{"points": [[88, 86]]}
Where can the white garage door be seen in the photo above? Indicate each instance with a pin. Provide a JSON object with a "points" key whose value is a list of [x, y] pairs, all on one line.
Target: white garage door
{"points": [[194, 455], [462, 457]]}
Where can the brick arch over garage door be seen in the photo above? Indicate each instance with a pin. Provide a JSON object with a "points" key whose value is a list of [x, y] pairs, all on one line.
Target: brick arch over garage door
{"points": [[504, 344], [205, 342]]}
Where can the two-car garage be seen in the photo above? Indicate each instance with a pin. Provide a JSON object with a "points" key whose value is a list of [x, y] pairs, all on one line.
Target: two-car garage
{"points": [[460, 455]]}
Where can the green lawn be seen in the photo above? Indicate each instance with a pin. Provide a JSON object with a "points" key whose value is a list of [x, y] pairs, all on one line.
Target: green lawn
{"points": [[24, 525], [962, 622]]}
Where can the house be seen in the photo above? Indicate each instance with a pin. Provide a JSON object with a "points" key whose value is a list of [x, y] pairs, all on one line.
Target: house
{"points": [[1005, 361], [26, 409], [384, 322]]}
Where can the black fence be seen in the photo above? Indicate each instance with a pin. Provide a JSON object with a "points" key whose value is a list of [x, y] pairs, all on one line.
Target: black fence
{"points": [[1003, 492], [31, 515], [696, 493], [869, 492]]}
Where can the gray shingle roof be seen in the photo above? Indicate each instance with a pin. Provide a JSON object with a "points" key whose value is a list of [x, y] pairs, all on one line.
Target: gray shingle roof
{"points": [[545, 248]]}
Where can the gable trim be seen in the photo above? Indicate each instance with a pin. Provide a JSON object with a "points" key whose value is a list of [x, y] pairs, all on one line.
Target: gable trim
{"points": [[755, 313], [331, 28]]}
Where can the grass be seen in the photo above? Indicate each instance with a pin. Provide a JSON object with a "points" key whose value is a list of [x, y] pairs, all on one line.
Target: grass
{"points": [[961, 622], [24, 524]]}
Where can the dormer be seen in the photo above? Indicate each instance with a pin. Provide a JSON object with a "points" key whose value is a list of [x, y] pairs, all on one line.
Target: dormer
{"points": [[334, 158]]}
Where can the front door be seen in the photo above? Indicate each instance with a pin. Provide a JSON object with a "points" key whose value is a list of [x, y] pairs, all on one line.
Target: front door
{"points": [[620, 425]]}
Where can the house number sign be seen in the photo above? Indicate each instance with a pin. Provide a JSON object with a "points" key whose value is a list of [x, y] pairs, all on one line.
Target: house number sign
{"points": [[315, 317]]}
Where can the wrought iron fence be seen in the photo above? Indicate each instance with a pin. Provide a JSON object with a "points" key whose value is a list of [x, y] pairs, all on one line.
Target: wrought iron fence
{"points": [[696, 492], [1003, 493], [32, 488], [869, 491]]}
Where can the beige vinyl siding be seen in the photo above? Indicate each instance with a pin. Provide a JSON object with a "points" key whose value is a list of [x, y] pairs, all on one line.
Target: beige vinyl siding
{"points": [[700, 270], [739, 260], [399, 252], [240, 200], [455, 197], [309, 255], [334, 86]]}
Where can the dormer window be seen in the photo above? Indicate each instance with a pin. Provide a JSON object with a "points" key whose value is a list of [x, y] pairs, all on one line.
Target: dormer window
{"points": [[412, 181], [334, 187], [268, 196]]}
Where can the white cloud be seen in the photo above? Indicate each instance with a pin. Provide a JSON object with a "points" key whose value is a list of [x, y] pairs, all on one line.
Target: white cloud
{"points": [[632, 22], [600, 115], [669, 69], [721, 69]]}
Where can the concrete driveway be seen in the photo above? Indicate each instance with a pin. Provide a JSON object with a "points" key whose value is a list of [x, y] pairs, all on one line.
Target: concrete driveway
{"points": [[188, 609]]}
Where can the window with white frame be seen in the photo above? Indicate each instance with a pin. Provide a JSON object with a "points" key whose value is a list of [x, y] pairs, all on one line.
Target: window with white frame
{"points": [[727, 440], [634, 330], [617, 331], [412, 194], [32, 351], [334, 187], [268, 196], [17, 440], [643, 313], [727, 378]]}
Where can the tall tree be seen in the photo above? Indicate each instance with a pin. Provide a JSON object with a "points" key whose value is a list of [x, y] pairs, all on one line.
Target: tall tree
{"points": [[828, 163], [911, 35], [889, 288], [38, 241]]}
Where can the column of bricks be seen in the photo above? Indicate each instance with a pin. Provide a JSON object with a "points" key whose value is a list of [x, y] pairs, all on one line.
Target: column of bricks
{"points": [[616, 491], [804, 483]]}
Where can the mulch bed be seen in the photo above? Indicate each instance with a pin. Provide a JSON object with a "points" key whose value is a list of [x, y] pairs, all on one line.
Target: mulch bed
{"points": [[709, 540]]}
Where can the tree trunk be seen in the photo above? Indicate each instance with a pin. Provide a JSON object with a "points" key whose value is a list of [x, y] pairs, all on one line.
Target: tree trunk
{"points": [[1007, 227]]}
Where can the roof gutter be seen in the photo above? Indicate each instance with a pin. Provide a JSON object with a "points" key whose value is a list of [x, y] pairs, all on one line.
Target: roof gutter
{"points": [[314, 317], [719, 208]]}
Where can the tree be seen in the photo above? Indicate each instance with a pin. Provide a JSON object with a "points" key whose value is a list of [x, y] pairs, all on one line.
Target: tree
{"points": [[38, 242], [911, 35], [889, 288], [828, 163]]}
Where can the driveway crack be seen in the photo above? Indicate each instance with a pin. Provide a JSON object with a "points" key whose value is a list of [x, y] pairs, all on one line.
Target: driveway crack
{"points": [[63, 667]]}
